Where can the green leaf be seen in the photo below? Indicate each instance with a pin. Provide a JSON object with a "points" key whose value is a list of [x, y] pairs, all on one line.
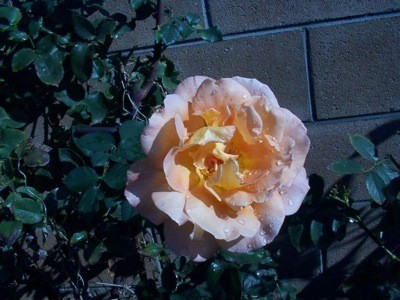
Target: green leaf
{"points": [[49, 67], [184, 30], [65, 155], [316, 232], [130, 132], [81, 179], [153, 249], [9, 139], [214, 273], [346, 167], [295, 233], [10, 231], [36, 158], [34, 27], [169, 34], [364, 147], [6, 121], [93, 253], [17, 36], [212, 34], [99, 159], [136, 4], [376, 186], [95, 142], [30, 192], [12, 14], [83, 28], [192, 19], [127, 211], [27, 211], [386, 173], [116, 176], [22, 59], [89, 202], [79, 237], [81, 60], [96, 106], [105, 29]]}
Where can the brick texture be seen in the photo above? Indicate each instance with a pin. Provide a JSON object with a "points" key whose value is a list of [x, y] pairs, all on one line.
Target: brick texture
{"points": [[276, 60], [235, 16], [355, 69]]}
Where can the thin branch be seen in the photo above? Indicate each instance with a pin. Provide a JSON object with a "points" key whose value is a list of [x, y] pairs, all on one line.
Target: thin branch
{"points": [[159, 48]]}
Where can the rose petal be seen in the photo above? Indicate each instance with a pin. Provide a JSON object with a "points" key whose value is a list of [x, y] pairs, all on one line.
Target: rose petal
{"points": [[212, 134], [293, 195], [178, 240], [225, 227], [171, 203], [272, 215], [187, 89], [142, 181], [257, 88], [178, 176], [227, 175]]}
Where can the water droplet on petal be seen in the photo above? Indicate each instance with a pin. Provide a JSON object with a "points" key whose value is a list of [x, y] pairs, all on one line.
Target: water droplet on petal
{"points": [[273, 218], [279, 163], [264, 241], [262, 232], [249, 246], [226, 230], [241, 221], [282, 192], [244, 96], [291, 203], [213, 93]]}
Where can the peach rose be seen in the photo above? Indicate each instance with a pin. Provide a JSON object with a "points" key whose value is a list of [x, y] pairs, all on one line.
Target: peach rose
{"points": [[224, 167]]}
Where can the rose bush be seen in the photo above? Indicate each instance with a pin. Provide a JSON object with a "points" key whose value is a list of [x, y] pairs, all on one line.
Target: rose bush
{"points": [[224, 167]]}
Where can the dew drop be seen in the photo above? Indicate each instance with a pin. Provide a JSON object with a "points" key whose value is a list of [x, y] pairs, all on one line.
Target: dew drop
{"points": [[282, 192], [241, 221], [265, 241], [273, 218], [249, 246], [262, 232], [244, 96], [226, 230], [271, 225], [279, 163], [291, 203], [213, 93]]}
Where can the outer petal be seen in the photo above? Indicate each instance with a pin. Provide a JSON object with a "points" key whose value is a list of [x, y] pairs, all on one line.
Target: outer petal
{"points": [[142, 181], [178, 238], [187, 89], [160, 134], [178, 176], [256, 88], [271, 216], [171, 203], [203, 209], [293, 195]]}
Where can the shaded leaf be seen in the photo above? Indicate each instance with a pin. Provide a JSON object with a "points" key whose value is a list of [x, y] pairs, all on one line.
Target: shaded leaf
{"points": [[169, 34], [89, 202], [11, 14], [81, 179], [83, 28], [136, 4], [10, 231], [364, 147], [79, 237], [49, 67], [386, 173], [153, 249], [27, 211], [168, 278], [81, 60], [96, 106], [17, 36], [192, 19], [127, 211], [95, 142], [295, 234], [376, 186], [9, 139], [316, 232], [22, 59], [212, 34], [116, 176]]}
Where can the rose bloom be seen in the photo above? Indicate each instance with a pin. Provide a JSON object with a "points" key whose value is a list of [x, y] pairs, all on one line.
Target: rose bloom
{"points": [[224, 167]]}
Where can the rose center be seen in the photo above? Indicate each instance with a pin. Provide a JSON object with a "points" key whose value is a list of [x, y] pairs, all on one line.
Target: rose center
{"points": [[211, 164]]}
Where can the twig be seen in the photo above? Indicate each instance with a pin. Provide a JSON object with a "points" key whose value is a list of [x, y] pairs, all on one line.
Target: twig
{"points": [[159, 48], [125, 286]]}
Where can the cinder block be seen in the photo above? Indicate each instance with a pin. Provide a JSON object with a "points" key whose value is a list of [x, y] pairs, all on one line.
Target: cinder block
{"points": [[276, 60], [330, 143], [143, 33], [355, 68], [235, 16]]}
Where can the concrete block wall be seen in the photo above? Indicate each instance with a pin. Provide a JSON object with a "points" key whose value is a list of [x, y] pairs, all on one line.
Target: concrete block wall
{"points": [[334, 63]]}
